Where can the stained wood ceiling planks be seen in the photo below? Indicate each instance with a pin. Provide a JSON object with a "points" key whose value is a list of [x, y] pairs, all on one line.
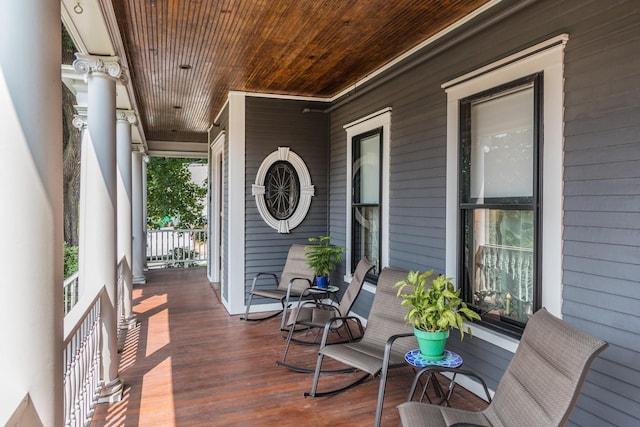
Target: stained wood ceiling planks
{"points": [[186, 55]]}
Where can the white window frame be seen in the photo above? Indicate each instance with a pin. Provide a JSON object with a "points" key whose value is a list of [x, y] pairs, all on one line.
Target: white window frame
{"points": [[307, 190], [546, 57], [379, 119]]}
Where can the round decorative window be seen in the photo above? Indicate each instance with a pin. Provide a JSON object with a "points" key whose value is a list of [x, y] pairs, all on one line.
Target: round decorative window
{"points": [[283, 190]]}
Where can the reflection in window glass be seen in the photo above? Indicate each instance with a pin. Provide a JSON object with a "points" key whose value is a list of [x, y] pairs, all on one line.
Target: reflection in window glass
{"points": [[366, 197], [498, 202], [499, 248]]}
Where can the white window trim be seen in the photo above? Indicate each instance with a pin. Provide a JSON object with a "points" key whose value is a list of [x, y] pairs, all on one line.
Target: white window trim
{"points": [[307, 190], [547, 57], [215, 208], [379, 119]]}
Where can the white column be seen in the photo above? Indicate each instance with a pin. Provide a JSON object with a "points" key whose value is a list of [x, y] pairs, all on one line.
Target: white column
{"points": [[31, 310], [139, 244], [144, 209], [97, 256], [124, 120]]}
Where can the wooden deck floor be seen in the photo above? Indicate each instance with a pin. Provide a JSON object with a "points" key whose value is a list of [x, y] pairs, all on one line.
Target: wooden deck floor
{"points": [[188, 363]]}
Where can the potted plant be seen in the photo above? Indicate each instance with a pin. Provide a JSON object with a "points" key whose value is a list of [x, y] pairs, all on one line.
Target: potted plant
{"points": [[435, 309], [322, 258]]}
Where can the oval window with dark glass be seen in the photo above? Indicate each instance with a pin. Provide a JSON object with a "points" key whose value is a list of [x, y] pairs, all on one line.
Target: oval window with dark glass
{"points": [[282, 190]]}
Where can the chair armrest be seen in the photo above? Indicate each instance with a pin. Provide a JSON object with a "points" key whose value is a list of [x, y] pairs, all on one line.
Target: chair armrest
{"points": [[457, 371], [293, 279], [259, 275], [328, 323], [392, 339], [387, 349]]}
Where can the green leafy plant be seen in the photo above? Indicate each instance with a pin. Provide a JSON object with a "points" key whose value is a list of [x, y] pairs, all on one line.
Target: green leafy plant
{"points": [[436, 307], [323, 256], [70, 260]]}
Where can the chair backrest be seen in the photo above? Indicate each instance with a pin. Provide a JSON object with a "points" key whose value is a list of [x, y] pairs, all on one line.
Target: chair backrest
{"points": [[545, 376], [357, 280], [296, 266], [386, 317]]}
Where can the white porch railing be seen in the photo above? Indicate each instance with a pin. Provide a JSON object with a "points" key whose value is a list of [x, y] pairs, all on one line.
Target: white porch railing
{"points": [[82, 360], [71, 290], [176, 248]]}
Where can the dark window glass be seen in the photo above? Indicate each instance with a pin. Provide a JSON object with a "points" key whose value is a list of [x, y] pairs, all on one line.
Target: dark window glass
{"points": [[282, 190], [366, 207], [499, 202]]}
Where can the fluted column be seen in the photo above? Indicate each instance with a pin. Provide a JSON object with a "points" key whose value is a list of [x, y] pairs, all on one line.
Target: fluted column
{"points": [[139, 244], [124, 120], [31, 309], [97, 258]]}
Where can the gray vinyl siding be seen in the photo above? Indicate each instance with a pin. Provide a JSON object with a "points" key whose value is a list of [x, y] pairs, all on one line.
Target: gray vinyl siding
{"points": [[601, 255], [271, 123]]}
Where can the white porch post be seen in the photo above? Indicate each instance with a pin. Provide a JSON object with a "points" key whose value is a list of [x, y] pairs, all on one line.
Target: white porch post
{"points": [[139, 244], [31, 312], [124, 120], [97, 256], [145, 160]]}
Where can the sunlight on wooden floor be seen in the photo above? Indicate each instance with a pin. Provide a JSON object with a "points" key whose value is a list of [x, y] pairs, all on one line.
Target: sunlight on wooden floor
{"points": [[157, 394]]}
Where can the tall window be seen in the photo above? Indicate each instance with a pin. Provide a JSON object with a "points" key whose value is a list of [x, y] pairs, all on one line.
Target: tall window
{"points": [[504, 187], [366, 197], [367, 194], [499, 199]]}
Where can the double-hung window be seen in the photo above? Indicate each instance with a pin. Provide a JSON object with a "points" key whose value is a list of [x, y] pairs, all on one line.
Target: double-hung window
{"points": [[368, 145], [366, 197], [500, 191], [504, 187]]}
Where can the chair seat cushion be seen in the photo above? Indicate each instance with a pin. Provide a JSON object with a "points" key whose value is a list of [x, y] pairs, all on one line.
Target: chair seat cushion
{"points": [[272, 293], [416, 414], [362, 355]]}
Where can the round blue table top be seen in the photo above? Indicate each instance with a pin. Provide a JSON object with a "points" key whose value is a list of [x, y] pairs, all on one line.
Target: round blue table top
{"points": [[451, 359]]}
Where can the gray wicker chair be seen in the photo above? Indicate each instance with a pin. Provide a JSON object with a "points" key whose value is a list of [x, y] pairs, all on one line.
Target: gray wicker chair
{"points": [[386, 339], [539, 388], [294, 281], [313, 315]]}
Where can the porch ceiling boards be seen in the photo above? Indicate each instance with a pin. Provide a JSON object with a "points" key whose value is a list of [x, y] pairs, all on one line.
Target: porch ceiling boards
{"points": [[186, 55]]}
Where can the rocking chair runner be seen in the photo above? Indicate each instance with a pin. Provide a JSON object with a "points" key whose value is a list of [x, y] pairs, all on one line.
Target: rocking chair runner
{"points": [[295, 279], [386, 339], [312, 315], [539, 388]]}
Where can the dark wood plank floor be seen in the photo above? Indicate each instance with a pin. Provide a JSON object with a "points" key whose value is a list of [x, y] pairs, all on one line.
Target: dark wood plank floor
{"points": [[188, 363]]}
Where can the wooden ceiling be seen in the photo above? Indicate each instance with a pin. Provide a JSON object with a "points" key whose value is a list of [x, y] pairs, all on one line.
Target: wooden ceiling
{"points": [[186, 55]]}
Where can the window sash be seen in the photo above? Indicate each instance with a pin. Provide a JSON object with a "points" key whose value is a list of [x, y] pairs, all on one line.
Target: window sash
{"points": [[366, 207], [490, 193]]}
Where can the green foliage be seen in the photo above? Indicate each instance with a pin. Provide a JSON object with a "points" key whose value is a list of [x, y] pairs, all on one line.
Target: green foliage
{"points": [[437, 307], [170, 192], [323, 257], [70, 260]]}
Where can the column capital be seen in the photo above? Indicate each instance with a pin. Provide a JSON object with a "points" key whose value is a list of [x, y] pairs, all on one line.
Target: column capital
{"points": [[89, 64], [126, 116], [79, 121], [124, 77]]}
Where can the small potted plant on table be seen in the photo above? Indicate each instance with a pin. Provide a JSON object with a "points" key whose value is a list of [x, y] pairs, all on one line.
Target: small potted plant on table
{"points": [[322, 258], [435, 309]]}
